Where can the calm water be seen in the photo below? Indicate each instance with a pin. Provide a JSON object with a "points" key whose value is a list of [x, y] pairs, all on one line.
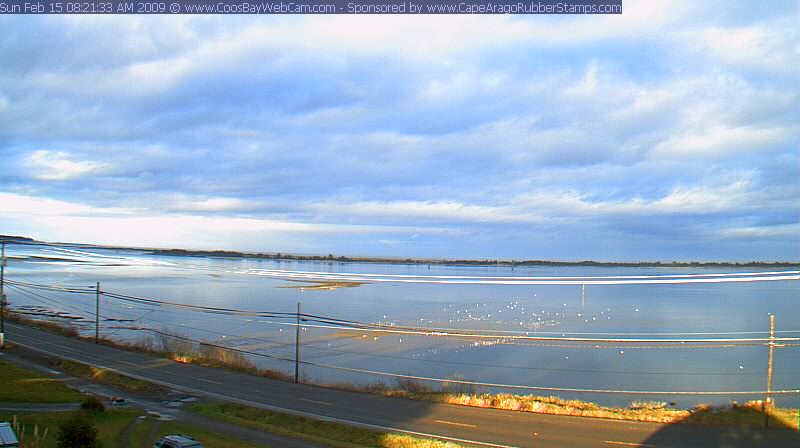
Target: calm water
{"points": [[648, 309]]}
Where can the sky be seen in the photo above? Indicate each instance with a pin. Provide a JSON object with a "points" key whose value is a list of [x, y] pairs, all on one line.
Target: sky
{"points": [[670, 132]]}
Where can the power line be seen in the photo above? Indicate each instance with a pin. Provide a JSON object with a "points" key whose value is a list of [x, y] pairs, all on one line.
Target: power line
{"points": [[457, 381], [478, 383], [317, 347], [77, 290], [422, 331], [559, 389], [545, 369]]}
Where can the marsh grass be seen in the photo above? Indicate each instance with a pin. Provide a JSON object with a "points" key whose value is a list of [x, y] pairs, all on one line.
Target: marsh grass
{"points": [[164, 344], [63, 329], [322, 286], [750, 414], [178, 348], [453, 392]]}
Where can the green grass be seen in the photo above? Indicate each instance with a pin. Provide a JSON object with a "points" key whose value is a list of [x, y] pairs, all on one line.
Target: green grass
{"points": [[109, 424], [328, 433], [107, 377], [209, 439], [20, 385], [112, 423]]}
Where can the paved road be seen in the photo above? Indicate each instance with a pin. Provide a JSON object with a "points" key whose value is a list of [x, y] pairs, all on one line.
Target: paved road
{"points": [[39, 407], [469, 426]]}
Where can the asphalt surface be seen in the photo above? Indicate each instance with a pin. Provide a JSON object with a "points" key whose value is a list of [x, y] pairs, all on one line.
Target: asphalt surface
{"points": [[466, 425]]}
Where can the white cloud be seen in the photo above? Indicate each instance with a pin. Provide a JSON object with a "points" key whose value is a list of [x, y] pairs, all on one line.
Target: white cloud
{"points": [[752, 232], [722, 141], [70, 221], [764, 47], [433, 210], [558, 206], [23, 205], [190, 204], [56, 165], [587, 85]]}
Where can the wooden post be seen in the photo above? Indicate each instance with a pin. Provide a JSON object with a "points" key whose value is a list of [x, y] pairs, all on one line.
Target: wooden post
{"points": [[297, 347], [768, 398], [97, 313], [583, 296], [3, 296]]}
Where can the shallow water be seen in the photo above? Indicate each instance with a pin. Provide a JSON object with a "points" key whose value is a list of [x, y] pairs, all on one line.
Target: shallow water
{"points": [[626, 310]]}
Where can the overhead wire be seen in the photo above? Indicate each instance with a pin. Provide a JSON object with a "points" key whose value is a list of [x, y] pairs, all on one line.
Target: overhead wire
{"points": [[487, 384], [423, 331], [466, 382]]}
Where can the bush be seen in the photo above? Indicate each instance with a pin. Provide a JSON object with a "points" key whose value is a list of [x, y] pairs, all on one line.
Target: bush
{"points": [[457, 387], [77, 432], [92, 404], [412, 385]]}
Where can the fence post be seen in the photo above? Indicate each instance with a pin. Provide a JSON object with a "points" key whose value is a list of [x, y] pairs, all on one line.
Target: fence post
{"points": [[97, 313], [768, 398], [297, 347], [3, 296]]}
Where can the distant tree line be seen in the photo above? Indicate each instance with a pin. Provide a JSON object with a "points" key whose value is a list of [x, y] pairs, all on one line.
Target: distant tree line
{"points": [[485, 262], [432, 261]]}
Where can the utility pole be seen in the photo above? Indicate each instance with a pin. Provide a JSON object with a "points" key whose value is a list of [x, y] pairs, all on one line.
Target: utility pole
{"points": [[97, 314], [3, 295], [583, 296], [768, 399], [297, 347]]}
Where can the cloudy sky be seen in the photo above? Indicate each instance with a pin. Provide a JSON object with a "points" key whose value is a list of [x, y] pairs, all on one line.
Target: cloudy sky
{"points": [[671, 132]]}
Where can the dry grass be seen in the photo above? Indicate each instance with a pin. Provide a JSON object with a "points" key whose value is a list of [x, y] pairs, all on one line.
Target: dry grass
{"points": [[53, 327], [327, 433], [108, 377], [323, 286], [750, 414], [177, 348], [174, 347]]}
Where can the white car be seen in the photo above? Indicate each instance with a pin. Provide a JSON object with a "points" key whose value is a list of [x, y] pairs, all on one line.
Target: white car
{"points": [[177, 441]]}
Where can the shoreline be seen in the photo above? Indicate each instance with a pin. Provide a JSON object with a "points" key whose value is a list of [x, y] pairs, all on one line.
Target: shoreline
{"points": [[280, 256]]}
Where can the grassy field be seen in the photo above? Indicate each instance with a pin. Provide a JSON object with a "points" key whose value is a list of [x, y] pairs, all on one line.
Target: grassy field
{"points": [[112, 424], [107, 377], [21, 385], [328, 433], [109, 424], [138, 437]]}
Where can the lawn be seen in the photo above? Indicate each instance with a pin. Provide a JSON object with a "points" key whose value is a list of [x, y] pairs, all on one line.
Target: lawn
{"points": [[113, 423], [21, 385], [109, 424], [107, 377], [328, 433], [139, 435]]}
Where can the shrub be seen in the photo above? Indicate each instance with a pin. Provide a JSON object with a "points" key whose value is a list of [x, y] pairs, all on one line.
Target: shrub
{"points": [[92, 404], [77, 432], [412, 385], [457, 387]]}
